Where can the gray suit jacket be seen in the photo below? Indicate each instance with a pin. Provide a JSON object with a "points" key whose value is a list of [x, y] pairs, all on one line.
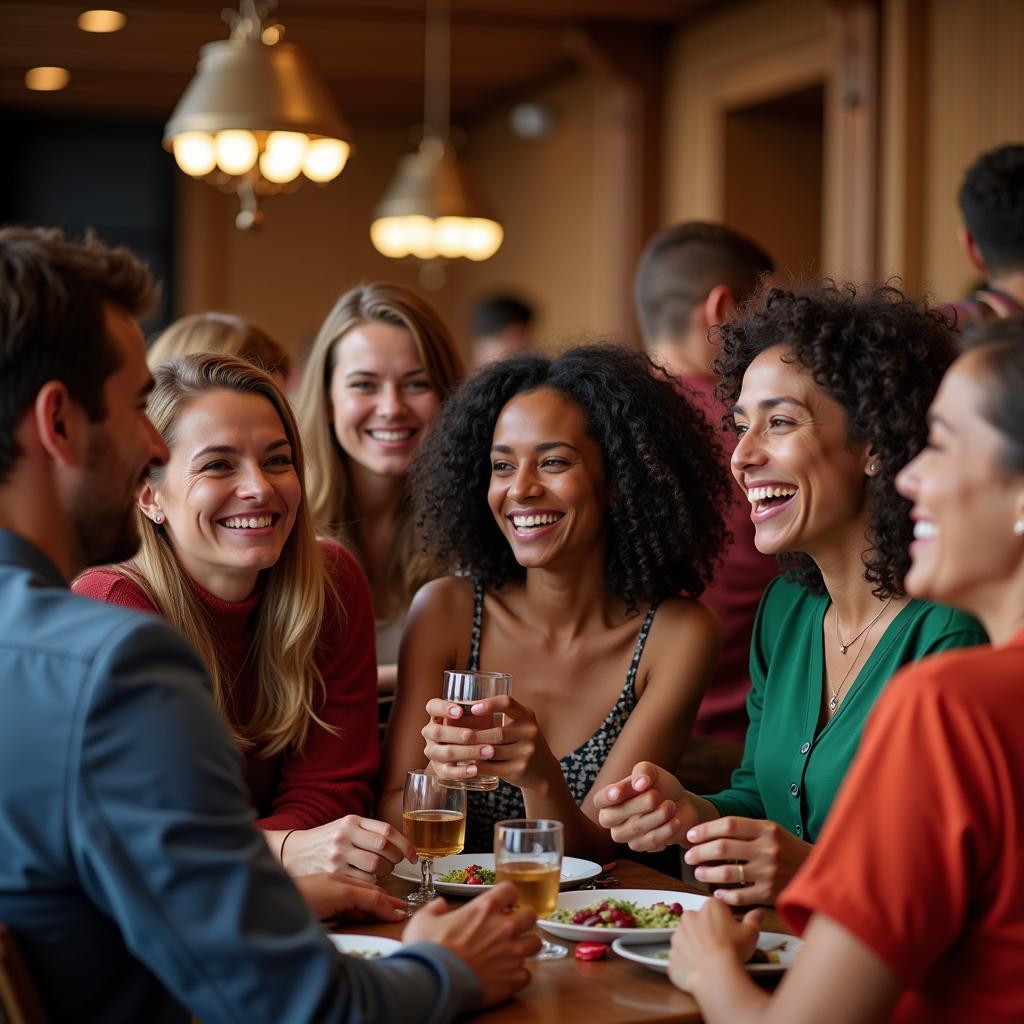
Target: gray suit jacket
{"points": [[129, 868]]}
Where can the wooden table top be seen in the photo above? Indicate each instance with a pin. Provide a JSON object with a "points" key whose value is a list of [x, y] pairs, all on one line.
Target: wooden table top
{"points": [[611, 991]]}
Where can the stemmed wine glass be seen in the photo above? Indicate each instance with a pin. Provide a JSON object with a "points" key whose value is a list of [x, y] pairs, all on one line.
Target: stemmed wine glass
{"points": [[434, 821], [528, 853]]}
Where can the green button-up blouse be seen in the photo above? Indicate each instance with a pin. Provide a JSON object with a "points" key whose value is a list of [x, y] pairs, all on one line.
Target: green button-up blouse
{"points": [[790, 771]]}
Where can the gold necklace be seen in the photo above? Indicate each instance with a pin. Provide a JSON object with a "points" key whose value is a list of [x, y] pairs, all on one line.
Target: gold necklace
{"points": [[844, 647], [834, 700]]}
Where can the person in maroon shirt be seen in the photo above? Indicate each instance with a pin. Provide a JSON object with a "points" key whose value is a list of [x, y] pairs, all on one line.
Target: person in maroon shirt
{"points": [[691, 278], [283, 623]]}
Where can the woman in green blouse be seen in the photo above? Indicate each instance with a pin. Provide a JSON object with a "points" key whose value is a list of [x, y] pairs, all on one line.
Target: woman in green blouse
{"points": [[831, 389]]}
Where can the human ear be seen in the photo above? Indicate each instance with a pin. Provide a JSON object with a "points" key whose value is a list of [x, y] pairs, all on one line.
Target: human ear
{"points": [[149, 502], [57, 420], [971, 250], [719, 304]]}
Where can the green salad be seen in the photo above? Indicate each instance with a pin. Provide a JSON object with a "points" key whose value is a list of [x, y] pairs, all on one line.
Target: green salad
{"points": [[473, 875], [622, 914]]}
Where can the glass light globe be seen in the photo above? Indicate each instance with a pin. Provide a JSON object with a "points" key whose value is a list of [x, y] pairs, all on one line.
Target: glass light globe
{"points": [[282, 159], [195, 153], [325, 159], [483, 238], [450, 236], [237, 151], [388, 237], [419, 235]]}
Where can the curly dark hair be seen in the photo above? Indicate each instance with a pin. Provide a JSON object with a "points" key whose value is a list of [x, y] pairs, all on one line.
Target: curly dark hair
{"points": [[879, 355], [992, 203], [665, 522]]}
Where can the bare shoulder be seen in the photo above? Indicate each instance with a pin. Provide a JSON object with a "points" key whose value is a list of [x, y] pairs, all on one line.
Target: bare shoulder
{"points": [[443, 597], [684, 630]]}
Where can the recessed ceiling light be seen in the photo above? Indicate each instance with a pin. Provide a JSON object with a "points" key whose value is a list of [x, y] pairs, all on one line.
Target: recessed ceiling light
{"points": [[47, 79], [101, 21]]}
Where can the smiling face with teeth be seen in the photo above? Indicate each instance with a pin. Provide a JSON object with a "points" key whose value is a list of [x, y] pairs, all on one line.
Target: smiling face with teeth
{"points": [[381, 398], [229, 494], [548, 492], [804, 477], [965, 500]]}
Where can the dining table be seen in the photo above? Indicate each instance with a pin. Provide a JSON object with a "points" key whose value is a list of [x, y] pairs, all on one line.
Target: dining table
{"points": [[609, 991]]}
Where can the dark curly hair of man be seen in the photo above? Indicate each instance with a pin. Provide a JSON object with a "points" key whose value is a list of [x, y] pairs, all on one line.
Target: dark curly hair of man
{"points": [[879, 355], [665, 522]]}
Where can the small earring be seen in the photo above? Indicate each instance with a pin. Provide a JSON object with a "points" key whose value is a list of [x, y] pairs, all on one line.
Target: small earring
{"points": [[1018, 528], [158, 519], [873, 468]]}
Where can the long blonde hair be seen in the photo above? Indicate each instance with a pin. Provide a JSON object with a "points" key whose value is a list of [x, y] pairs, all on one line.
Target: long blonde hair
{"points": [[328, 485], [290, 614], [224, 334]]}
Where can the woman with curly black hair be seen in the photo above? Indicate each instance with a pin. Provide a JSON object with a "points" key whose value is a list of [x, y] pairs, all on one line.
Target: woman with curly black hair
{"points": [[830, 391], [574, 500]]}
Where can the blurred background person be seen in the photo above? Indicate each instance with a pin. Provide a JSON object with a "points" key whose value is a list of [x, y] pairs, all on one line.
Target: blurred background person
{"points": [[499, 327], [690, 279], [377, 373], [830, 389], [222, 334], [912, 904], [284, 624], [992, 235]]}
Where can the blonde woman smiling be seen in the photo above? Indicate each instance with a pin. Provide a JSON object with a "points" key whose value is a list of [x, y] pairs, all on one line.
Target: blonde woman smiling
{"points": [[378, 372], [284, 624]]}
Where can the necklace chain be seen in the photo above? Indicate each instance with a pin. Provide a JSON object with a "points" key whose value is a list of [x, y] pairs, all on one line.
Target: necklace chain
{"points": [[845, 646]]}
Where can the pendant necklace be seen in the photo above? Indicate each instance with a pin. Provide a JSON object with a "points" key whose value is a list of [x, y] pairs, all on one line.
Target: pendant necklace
{"points": [[845, 646]]}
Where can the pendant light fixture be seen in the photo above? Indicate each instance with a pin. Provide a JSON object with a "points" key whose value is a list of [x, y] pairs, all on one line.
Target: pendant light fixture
{"points": [[431, 208], [256, 116]]}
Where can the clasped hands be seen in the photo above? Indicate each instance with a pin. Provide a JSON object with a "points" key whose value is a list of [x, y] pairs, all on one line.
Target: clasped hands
{"points": [[516, 751], [650, 810]]}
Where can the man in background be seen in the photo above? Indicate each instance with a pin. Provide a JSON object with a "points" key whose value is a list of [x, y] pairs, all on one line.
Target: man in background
{"points": [[500, 326], [131, 875], [692, 277], [992, 235]]}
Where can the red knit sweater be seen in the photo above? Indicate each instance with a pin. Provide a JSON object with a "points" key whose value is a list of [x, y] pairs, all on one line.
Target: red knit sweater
{"points": [[332, 775]]}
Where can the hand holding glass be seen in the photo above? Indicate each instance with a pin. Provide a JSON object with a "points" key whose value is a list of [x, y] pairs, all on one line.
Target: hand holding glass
{"points": [[467, 689], [528, 853], [434, 821]]}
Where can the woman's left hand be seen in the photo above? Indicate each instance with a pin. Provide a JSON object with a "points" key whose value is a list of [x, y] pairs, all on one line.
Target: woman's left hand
{"points": [[515, 751], [708, 935], [330, 896], [759, 855]]}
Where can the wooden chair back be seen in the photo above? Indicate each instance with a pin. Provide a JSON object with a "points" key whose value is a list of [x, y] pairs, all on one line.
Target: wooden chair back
{"points": [[19, 1001]]}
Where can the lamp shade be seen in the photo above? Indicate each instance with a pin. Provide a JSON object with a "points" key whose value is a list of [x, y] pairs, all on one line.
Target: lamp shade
{"points": [[245, 84], [432, 208]]}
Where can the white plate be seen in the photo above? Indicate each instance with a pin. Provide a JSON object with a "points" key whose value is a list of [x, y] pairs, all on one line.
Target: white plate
{"points": [[642, 897], [574, 872], [648, 954], [365, 944]]}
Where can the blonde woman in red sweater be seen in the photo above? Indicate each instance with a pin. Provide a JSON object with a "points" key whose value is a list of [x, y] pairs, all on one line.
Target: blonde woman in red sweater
{"points": [[283, 623]]}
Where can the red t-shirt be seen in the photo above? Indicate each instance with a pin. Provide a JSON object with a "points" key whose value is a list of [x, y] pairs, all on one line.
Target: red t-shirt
{"points": [[922, 857], [734, 593], [332, 775]]}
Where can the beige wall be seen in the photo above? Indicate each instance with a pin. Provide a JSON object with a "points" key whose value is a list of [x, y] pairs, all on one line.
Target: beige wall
{"points": [[975, 102]]}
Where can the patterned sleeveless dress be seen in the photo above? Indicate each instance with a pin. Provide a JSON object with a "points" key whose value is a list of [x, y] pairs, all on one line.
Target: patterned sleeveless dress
{"points": [[580, 767]]}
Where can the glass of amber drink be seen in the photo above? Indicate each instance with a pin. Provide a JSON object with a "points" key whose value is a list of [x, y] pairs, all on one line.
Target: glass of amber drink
{"points": [[469, 688], [528, 853], [434, 821]]}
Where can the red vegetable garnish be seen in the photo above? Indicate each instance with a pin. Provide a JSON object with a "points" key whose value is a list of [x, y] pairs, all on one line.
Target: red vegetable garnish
{"points": [[591, 951]]}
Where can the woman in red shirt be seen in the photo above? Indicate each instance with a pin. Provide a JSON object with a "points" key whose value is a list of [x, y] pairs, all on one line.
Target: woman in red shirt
{"points": [[283, 623], [912, 902]]}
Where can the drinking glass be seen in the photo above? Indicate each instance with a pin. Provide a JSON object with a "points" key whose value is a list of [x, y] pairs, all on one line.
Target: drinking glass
{"points": [[528, 853], [466, 689], [434, 821]]}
